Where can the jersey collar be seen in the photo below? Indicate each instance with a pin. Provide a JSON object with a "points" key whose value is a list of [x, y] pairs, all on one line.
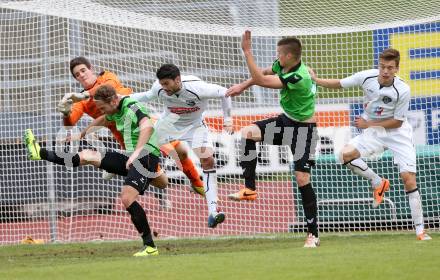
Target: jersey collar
{"points": [[381, 86], [121, 102], [296, 67]]}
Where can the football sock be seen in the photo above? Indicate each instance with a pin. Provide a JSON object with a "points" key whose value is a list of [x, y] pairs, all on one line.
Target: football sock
{"points": [[415, 204], [359, 167], [248, 162], [191, 172], [210, 186], [52, 157], [308, 198], [139, 219]]}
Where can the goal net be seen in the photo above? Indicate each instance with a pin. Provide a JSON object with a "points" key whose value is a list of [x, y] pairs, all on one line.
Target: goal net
{"points": [[133, 38]]}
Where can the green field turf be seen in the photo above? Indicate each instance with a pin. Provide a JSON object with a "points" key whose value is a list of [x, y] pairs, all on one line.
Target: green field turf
{"points": [[343, 256]]}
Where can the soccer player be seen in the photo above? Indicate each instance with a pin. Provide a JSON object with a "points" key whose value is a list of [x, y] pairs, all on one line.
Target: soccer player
{"points": [[185, 99], [385, 126], [74, 105], [295, 127], [139, 168]]}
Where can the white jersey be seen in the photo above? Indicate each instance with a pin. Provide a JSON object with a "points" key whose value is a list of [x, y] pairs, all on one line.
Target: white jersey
{"points": [[186, 107], [381, 102]]}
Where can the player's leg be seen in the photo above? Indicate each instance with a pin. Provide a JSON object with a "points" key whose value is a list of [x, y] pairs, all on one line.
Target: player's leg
{"points": [[415, 204], [404, 154], [200, 141], [303, 139], [178, 151], [135, 183], [250, 135], [350, 156], [207, 162], [35, 152]]}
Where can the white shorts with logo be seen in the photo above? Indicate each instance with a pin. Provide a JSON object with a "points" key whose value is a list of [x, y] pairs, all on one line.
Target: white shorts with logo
{"points": [[399, 141], [196, 136]]}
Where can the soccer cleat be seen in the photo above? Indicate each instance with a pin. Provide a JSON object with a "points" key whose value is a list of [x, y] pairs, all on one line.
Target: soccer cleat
{"points": [[379, 192], [423, 236], [215, 219], [32, 146], [107, 175], [243, 194], [147, 251], [311, 241], [198, 189]]}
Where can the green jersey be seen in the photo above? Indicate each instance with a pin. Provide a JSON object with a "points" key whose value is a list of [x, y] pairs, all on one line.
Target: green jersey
{"points": [[130, 112], [298, 93]]}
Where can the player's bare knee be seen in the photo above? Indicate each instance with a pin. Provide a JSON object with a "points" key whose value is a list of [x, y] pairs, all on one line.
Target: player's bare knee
{"points": [[160, 181], [207, 163], [302, 178], [251, 132], [90, 157], [348, 153], [128, 195], [182, 153], [409, 180]]}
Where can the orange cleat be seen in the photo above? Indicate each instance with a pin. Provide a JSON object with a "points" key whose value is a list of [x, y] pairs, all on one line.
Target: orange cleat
{"points": [[379, 192], [423, 236], [243, 194]]}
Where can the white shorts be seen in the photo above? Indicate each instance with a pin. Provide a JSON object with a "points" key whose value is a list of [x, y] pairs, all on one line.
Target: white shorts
{"points": [[399, 141], [195, 136]]}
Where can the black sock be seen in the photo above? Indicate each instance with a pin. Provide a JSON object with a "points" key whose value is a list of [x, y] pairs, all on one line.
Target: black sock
{"points": [[248, 150], [308, 197], [52, 157], [139, 219]]}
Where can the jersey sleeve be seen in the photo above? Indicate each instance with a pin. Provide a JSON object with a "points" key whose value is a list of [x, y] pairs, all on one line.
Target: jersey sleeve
{"points": [[356, 79], [138, 113], [76, 113], [402, 106], [147, 96], [207, 90]]}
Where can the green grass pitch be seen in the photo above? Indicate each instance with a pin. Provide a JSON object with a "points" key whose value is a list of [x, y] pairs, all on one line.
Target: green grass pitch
{"points": [[341, 256]]}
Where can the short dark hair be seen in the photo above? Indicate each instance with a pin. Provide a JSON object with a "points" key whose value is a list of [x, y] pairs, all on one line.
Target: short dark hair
{"points": [[390, 54], [292, 44], [168, 71], [77, 61], [105, 93]]}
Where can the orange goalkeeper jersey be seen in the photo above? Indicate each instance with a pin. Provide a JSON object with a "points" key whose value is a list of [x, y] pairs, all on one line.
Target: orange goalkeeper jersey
{"points": [[88, 106]]}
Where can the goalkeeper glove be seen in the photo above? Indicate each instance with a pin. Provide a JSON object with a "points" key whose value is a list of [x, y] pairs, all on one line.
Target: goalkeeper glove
{"points": [[77, 96], [65, 106]]}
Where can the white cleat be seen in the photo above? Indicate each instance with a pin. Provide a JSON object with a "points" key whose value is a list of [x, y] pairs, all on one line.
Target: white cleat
{"points": [[311, 241], [423, 236], [107, 176]]}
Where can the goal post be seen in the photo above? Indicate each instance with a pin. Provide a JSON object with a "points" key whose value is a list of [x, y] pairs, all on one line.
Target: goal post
{"points": [[133, 38]]}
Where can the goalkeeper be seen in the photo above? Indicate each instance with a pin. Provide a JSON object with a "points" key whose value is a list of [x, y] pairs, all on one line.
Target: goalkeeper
{"points": [[74, 105], [139, 168]]}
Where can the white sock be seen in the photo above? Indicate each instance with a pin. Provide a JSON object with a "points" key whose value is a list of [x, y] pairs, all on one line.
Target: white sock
{"points": [[415, 203], [360, 167], [210, 186]]}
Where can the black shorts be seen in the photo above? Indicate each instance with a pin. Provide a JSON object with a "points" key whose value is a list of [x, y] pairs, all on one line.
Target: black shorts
{"points": [[301, 137], [140, 174]]}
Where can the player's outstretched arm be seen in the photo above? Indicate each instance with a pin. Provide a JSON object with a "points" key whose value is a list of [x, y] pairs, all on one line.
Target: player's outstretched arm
{"points": [[95, 125], [144, 96], [237, 89], [327, 83], [258, 77]]}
